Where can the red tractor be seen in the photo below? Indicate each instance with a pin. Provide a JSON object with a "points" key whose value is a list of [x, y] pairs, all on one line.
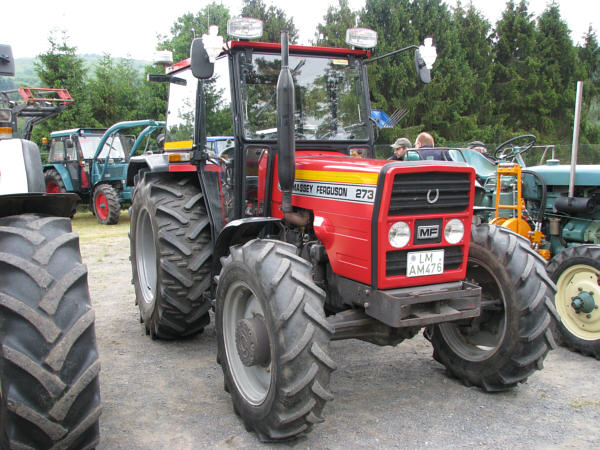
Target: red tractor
{"points": [[295, 242]]}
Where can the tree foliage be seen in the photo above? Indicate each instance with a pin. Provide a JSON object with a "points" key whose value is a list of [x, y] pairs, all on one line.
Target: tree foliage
{"points": [[489, 83]]}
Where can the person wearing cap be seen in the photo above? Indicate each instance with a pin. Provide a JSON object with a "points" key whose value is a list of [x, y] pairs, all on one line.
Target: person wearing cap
{"points": [[400, 147], [477, 146]]}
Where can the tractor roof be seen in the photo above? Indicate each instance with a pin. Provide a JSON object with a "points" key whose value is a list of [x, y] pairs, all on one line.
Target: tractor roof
{"points": [[273, 47]]}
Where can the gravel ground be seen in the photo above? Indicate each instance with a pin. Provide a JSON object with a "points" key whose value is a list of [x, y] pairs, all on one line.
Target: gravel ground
{"points": [[169, 395]]}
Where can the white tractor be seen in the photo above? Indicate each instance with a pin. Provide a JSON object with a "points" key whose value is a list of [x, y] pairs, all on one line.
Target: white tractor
{"points": [[49, 365]]}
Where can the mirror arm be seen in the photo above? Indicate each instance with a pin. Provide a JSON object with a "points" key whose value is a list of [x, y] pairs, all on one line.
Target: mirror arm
{"points": [[369, 61]]}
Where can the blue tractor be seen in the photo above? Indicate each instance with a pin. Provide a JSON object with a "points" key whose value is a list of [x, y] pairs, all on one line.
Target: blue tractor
{"points": [[93, 164]]}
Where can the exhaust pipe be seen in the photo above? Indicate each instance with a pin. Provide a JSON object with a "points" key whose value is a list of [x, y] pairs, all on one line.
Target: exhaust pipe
{"points": [[285, 126]]}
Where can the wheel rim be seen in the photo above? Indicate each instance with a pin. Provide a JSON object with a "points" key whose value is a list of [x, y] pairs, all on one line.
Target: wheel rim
{"points": [[252, 382], [481, 337], [570, 284], [145, 257], [101, 206], [52, 187]]}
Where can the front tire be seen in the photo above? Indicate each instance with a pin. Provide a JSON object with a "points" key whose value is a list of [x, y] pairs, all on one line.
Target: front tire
{"points": [[510, 339], [49, 361], [107, 208], [171, 255], [576, 271], [273, 339]]}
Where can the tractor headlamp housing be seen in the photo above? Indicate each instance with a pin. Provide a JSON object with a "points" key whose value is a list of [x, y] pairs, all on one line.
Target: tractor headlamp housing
{"points": [[361, 37], [245, 28], [454, 231], [399, 234]]}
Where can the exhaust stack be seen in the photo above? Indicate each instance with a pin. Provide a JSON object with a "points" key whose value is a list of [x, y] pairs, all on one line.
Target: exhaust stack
{"points": [[285, 126]]}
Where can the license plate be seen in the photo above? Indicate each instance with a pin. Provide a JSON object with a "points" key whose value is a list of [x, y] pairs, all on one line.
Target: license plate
{"points": [[419, 264]]}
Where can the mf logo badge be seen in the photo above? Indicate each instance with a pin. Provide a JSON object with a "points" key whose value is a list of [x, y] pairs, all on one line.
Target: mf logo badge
{"points": [[433, 195], [428, 232]]}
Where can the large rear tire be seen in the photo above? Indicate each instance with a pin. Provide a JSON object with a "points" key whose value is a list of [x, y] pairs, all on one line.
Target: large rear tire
{"points": [[48, 356], [273, 339], [171, 255], [576, 272], [107, 208], [511, 338]]}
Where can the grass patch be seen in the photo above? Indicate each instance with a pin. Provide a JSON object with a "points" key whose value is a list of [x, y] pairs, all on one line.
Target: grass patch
{"points": [[88, 228], [585, 402]]}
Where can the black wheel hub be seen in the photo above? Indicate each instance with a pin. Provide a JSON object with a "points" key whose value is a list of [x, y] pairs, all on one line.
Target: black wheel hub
{"points": [[252, 342]]}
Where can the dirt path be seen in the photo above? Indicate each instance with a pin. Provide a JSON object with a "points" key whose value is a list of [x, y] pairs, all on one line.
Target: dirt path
{"points": [[169, 395]]}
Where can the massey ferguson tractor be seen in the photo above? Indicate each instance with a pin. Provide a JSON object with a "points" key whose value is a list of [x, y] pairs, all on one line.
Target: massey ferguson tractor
{"points": [[296, 242], [49, 366]]}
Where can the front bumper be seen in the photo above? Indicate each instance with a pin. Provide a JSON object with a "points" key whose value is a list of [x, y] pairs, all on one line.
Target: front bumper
{"points": [[416, 306]]}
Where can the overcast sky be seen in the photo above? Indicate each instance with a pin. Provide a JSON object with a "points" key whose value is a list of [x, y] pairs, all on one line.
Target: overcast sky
{"points": [[130, 28]]}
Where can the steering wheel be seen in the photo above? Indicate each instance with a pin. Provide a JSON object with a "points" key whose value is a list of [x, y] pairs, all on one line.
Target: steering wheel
{"points": [[510, 152]]}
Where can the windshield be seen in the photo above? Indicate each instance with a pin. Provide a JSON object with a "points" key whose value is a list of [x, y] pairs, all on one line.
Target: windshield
{"points": [[88, 145], [329, 97]]}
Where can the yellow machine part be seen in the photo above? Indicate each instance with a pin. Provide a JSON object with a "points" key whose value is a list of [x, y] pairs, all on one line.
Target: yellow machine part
{"points": [[518, 225]]}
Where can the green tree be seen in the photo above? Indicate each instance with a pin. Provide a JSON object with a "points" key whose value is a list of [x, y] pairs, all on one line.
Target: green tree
{"points": [[60, 67], [516, 68], [274, 20], [475, 40], [153, 96], [589, 56], [554, 97], [115, 91], [338, 19], [190, 26]]}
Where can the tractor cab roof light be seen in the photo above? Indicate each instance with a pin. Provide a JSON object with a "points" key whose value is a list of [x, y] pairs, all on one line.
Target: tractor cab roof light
{"points": [[361, 37], [245, 28]]}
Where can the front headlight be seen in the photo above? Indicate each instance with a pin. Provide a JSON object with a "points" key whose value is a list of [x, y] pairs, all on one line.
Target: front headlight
{"points": [[454, 231], [399, 234]]}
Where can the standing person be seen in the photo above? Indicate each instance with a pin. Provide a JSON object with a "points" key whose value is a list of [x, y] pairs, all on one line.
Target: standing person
{"points": [[400, 147], [424, 140]]}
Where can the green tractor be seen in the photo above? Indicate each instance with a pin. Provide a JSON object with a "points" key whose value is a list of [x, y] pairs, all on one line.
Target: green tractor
{"points": [[557, 208], [93, 164]]}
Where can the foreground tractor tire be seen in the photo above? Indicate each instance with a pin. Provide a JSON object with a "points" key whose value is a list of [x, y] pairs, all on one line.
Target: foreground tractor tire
{"points": [[171, 255], [273, 339], [54, 182], [48, 356], [107, 208], [576, 272], [511, 338]]}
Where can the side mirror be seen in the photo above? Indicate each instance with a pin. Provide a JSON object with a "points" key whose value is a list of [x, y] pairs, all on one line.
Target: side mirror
{"points": [[202, 68], [425, 57], [7, 62], [422, 71], [69, 143]]}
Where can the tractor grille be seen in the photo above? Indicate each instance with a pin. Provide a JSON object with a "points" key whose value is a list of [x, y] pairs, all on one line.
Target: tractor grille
{"points": [[429, 193], [395, 261]]}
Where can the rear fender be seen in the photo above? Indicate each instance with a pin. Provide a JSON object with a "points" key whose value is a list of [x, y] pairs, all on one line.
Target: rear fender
{"points": [[64, 174], [61, 205], [20, 167], [239, 232], [154, 163]]}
